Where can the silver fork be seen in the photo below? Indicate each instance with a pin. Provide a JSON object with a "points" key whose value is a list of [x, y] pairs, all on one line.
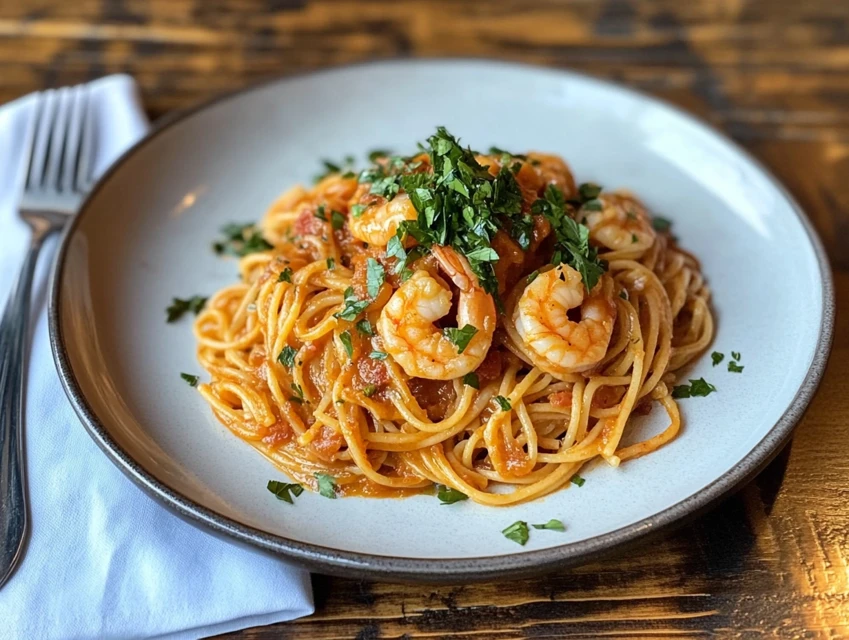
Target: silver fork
{"points": [[58, 174]]}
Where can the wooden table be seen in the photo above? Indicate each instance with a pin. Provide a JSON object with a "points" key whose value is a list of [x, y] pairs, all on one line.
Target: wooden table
{"points": [[771, 561]]}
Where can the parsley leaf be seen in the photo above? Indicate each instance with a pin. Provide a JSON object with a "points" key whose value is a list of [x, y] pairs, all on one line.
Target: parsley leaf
{"points": [[552, 525], [320, 213], [532, 276], [330, 167], [179, 307], [376, 154], [254, 244], [357, 210], [353, 306], [471, 379], [192, 380], [240, 240], [734, 354], [369, 390], [577, 480], [504, 403], [282, 490], [517, 532], [326, 485], [696, 388], [299, 393], [717, 357], [375, 277], [285, 275], [337, 220], [733, 367], [447, 495], [331, 264], [589, 191], [287, 356], [345, 338], [365, 328], [661, 224], [572, 244], [378, 355], [460, 337]]}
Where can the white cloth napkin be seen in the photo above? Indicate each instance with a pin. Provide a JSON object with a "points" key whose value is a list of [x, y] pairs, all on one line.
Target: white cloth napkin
{"points": [[104, 560]]}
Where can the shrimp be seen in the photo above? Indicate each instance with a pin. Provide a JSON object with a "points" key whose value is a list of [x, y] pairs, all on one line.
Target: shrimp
{"points": [[552, 170], [622, 224], [379, 222], [406, 323], [559, 345]]}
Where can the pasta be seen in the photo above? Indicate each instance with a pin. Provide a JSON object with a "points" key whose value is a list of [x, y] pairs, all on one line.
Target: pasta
{"points": [[476, 321]]}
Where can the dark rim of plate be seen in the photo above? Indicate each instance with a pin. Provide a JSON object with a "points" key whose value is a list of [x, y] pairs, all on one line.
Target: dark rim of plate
{"points": [[520, 564]]}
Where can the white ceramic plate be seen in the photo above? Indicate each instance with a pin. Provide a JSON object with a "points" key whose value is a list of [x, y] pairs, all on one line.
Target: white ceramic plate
{"points": [[144, 236]]}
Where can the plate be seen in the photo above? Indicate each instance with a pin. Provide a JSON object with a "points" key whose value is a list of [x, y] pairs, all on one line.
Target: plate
{"points": [[144, 236]]}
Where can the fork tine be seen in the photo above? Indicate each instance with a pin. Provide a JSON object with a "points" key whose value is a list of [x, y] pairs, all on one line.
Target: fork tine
{"points": [[32, 131], [85, 163], [76, 125], [40, 141], [58, 133]]}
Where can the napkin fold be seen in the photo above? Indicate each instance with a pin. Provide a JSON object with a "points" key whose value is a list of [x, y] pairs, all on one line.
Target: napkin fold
{"points": [[103, 559]]}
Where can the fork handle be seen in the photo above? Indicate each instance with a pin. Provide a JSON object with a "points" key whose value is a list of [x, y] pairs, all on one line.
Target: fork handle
{"points": [[14, 331]]}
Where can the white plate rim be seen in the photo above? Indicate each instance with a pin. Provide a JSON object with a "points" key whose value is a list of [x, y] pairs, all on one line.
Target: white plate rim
{"points": [[526, 563]]}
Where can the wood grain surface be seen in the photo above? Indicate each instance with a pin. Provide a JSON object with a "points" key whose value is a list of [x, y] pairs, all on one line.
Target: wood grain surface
{"points": [[772, 560]]}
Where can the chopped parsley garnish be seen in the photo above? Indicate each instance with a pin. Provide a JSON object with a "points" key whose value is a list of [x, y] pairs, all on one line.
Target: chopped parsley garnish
{"points": [[471, 379], [517, 532], [378, 355], [375, 276], [299, 394], [633, 238], [282, 490], [733, 367], [287, 356], [552, 525], [504, 403], [365, 328], [326, 485], [353, 306], [532, 276], [240, 240], [357, 210], [696, 388], [254, 244], [589, 191], [320, 213], [376, 154], [337, 220], [447, 495], [369, 390], [460, 337], [735, 355], [460, 205], [572, 244], [331, 264], [717, 357], [623, 294], [192, 380], [577, 480], [179, 307], [506, 156], [330, 168], [285, 275], [661, 224], [345, 339]]}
